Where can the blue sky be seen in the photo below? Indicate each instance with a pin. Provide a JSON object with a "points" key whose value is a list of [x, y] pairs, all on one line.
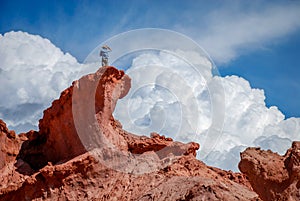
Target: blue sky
{"points": [[258, 40]]}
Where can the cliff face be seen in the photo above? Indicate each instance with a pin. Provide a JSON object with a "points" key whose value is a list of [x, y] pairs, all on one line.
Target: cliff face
{"points": [[82, 153]]}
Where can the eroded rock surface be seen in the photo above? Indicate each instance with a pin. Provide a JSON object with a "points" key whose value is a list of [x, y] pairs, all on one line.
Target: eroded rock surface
{"points": [[9, 144], [272, 176]]}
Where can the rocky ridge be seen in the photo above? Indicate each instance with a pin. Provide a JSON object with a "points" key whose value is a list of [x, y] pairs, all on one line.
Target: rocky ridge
{"points": [[82, 153], [272, 176]]}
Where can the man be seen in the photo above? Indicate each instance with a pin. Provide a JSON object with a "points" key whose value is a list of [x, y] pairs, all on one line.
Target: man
{"points": [[104, 54]]}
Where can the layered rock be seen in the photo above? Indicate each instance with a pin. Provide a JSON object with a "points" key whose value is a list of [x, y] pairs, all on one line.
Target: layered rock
{"points": [[81, 153], [272, 176]]}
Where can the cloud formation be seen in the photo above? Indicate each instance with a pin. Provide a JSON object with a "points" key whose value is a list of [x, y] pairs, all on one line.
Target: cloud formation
{"points": [[33, 73], [179, 104]]}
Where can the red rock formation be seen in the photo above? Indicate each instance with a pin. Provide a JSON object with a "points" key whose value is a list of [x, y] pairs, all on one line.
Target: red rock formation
{"points": [[58, 138], [233, 176], [9, 144], [272, 176], [81, 153], [83, 178], [82, 120]]}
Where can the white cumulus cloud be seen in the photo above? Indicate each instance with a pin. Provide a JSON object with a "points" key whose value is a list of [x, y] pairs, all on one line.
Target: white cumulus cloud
{"points": [[179, 104], [33, 72]]}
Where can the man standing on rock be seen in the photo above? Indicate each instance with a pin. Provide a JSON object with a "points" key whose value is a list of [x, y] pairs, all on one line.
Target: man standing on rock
{"points": [[104, 54]]}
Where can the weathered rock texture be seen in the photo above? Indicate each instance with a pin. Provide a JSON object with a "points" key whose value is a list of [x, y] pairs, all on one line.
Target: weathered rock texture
{"points": [[10, 145], [272, 176], [82, 153]]}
